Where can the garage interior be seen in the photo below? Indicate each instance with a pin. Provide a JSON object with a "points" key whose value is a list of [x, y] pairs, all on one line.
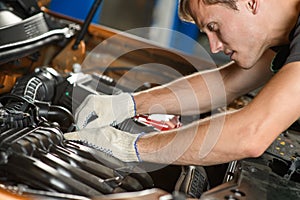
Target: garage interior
{"points": [[63, 51]]}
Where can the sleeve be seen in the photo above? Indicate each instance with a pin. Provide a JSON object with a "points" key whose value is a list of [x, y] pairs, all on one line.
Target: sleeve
{"points": [[295, 46], [288, 53]]}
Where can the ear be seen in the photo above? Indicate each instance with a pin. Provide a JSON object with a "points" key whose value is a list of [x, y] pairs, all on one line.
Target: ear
{"points": [[253, 5]]}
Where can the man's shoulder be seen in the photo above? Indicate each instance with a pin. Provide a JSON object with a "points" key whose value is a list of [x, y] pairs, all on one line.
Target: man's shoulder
{"points": [[288, 53]]}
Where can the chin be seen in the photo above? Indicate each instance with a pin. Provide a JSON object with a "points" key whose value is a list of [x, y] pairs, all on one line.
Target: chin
{"points": [[242, 65], [246, 66], [245, 63]]}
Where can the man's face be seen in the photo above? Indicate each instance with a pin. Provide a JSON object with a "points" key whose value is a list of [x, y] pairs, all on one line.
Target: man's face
{"points": [[234, 32]]}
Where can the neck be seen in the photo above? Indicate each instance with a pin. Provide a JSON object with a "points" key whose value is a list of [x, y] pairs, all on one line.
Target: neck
{"points": [[284, 16]]}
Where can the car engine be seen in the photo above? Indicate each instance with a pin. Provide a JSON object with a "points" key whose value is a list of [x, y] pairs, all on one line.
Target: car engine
{"points": [[44, 77]]}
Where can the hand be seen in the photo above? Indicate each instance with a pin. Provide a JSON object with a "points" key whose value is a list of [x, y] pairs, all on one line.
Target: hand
{"points": [[105, 110], [110, 140]]}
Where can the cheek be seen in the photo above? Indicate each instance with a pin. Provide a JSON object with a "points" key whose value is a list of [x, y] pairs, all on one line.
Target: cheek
{"points": [[243, 40], [231, 34], [238, 31]]}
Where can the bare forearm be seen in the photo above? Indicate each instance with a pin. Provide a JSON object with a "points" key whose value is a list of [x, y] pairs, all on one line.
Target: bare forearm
{"points": [[198, 143], [197, 93], [219, 140]]}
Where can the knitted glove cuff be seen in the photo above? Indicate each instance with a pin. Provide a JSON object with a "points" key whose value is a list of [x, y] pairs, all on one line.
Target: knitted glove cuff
{"points": [[124, 107], [119, 144]]}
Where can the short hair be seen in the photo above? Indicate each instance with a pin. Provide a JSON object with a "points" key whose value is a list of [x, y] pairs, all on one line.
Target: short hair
{"points": [[184, 11]]}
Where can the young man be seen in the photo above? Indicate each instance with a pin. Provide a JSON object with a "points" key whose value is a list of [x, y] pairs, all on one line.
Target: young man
{"points": [[251, 32]]}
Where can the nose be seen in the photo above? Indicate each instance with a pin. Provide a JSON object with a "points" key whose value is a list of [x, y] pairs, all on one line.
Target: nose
{"points": [[215, 43]]}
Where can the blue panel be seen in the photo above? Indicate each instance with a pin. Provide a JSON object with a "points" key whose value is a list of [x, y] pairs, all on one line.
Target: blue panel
{"points": [[189, 29], [75, 8]]}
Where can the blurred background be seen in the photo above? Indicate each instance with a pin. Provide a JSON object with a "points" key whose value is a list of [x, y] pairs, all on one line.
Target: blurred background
{"points": [[126, 15]]}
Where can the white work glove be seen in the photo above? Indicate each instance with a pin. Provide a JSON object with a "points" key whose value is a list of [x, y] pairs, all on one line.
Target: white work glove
{"points": [[107, 109], [110, 140]]}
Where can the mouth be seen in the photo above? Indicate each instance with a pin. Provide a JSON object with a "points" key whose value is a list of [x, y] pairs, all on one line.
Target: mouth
{"points": [[229, 53]]}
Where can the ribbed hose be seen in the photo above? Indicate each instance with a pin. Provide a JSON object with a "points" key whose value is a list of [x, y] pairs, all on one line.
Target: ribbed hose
{"points": [[25, 100]]}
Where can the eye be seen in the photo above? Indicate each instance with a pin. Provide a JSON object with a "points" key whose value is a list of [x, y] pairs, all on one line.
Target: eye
{"points": [[212, 27]]}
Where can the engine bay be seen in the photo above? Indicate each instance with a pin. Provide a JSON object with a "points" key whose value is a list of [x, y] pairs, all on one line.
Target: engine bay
{"points": [[50, 63]]}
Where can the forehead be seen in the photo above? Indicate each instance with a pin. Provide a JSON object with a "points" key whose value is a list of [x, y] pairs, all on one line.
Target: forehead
{"points": [[199, 11], [203, 13]]}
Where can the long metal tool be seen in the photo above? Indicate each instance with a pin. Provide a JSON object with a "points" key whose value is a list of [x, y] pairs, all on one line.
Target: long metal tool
{"points": [[86, 23]]}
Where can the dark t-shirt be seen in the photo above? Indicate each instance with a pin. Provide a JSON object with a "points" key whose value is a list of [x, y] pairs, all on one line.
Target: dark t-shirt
{"points": [[288, 53]]}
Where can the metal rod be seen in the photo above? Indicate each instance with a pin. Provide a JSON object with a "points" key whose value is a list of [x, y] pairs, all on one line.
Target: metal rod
{"points": [[86, 23]]}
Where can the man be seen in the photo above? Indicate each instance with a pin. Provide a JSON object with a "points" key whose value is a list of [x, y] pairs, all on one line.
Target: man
{"points": [[251, 32]]}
